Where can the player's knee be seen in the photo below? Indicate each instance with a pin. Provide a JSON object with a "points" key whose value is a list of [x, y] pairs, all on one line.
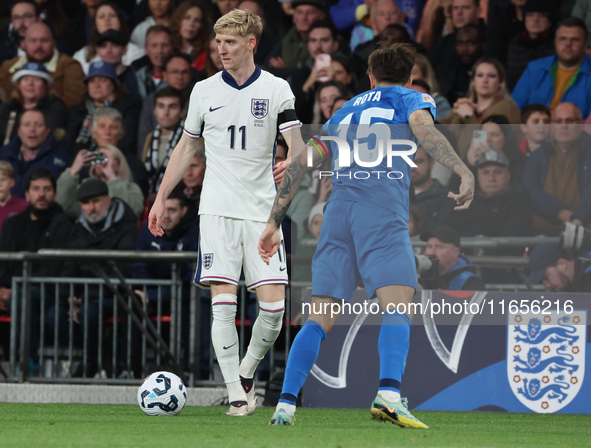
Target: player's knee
{"points": [[224, 309], [272, 313]]}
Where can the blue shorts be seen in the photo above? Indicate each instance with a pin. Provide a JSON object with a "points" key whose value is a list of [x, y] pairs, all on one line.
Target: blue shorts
{"points": [[361, 241]]}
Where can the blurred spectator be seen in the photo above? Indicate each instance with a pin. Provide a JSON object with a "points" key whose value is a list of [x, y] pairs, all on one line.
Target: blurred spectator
{"points": [[557, 174], [104, 90], [499, 137], [537, 41], [463, 12], [268, 38], [393, 33], [105, 224], [535, 126], [311, 228], [39, 47], [114, 172], [381, 14], [429, 195], [193, 177], [322, 43], [500, 207], [177, 74], [338, 104], [158, 48], [111, 48], [42, 225], [224, 7], [9, 205], [566, 76], [23, 14], [559, 270], [214, 60], [190, 31], [454, 78], [107, 129], [505, 21], [33, 85], [326, 94], [109, 16], [487, 96], [582, 10], [169, 112], [293, 50], [423, 71], [180, 223], [343, 72], [455, 272], [34, 147], [161, 11], [82, 24]]}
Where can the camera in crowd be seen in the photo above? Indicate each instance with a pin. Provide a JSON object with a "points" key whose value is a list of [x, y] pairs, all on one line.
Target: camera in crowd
{"points": [[99, 158], [575, 237], [427, 267]]}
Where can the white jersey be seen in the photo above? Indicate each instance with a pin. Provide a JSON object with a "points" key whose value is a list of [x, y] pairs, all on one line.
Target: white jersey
{"points": [[239, 125]]}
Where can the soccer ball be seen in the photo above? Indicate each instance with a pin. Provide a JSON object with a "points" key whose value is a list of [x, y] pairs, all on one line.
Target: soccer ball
{"points": [[162, 393]]}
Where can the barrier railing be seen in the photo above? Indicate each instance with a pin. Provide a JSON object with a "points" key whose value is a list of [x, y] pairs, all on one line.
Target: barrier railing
{"points": [[186, 350]]}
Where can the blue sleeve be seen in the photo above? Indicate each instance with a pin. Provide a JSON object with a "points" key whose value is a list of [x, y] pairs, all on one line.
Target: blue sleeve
{"points": [[343, 13], [542, 203], [418, 101], [521, 91]]}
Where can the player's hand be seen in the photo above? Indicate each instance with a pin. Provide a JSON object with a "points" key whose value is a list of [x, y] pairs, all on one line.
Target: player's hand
{"points": [[155, 219], [279, 170], [269, 242], [466, 194]]}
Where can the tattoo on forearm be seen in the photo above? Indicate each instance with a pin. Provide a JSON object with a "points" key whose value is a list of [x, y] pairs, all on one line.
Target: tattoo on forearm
{"points": [[435, 143], [292, 177]]}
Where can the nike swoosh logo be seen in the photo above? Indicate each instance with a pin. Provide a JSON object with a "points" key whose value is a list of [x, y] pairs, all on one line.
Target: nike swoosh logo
{"points": [[226, 348], [211, 110], [282, 269]]}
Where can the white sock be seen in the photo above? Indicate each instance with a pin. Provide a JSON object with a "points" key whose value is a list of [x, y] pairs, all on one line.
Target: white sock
{"points": [[287, 407], [225, 343], [389, 395], [265, 331]]}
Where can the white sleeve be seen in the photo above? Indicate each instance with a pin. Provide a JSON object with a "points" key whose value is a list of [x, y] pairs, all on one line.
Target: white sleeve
{"points": [[194, 120], [286, 116]]}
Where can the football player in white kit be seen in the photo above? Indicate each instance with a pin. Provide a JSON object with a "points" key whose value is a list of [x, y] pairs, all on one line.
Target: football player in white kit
{"points": [[238, 112]]}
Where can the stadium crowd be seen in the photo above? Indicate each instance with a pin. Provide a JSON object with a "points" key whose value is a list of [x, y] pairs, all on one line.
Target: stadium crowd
{"points": [[94, 95]]}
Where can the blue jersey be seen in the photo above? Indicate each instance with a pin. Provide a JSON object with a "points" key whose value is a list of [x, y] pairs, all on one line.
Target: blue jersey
{"points": [[371, 117]]}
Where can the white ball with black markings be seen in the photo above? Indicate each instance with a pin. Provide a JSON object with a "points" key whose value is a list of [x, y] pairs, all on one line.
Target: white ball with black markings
{"points": [[162, 393]]}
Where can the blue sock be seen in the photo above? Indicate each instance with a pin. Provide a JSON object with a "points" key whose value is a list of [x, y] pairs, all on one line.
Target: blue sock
{"points": [[393, 346], [302, 356]]}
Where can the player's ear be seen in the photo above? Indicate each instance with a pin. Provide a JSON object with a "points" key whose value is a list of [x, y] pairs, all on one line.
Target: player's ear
{"points": [[372, 82]]}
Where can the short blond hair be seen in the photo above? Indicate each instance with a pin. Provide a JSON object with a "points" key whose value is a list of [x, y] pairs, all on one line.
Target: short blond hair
{"points": [[7, 169], [239, 22]]}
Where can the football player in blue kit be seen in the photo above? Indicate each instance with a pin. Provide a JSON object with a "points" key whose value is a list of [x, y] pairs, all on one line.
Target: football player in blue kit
{"points": [[364, 234]]}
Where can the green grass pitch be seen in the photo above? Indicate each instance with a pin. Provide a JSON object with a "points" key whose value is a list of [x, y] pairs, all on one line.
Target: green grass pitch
{"points": [[71, 425]]}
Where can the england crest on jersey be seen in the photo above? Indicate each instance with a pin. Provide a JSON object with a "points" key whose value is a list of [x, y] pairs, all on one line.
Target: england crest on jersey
{"points": [[546, 358], [259, 108]]}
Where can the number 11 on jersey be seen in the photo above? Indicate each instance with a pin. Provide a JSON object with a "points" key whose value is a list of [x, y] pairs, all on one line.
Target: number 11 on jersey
{"points": [[242, 131]]}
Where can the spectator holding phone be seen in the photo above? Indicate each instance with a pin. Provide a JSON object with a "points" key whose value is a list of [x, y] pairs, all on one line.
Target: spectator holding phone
{"points": [[107, 164]]}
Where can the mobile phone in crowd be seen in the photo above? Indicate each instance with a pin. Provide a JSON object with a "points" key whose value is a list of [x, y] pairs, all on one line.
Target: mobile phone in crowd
{"points": [[323, 61], [479, 137]]}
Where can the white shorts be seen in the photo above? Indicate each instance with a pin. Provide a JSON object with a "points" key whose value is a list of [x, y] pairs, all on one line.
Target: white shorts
{"points": [[226, 245]]}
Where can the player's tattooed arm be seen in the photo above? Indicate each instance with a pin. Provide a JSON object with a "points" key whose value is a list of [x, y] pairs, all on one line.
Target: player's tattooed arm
{"points": [[438, 147], [298, 166]]}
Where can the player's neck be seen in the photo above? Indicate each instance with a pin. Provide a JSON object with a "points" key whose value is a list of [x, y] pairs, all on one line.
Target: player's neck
{"points": [[244, 73]]}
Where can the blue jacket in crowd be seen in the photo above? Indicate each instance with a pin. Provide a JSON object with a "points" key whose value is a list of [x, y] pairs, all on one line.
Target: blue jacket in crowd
{"points": [[185, 237], [536, 85], [534, 180], [53, 155], [459, 278]]}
